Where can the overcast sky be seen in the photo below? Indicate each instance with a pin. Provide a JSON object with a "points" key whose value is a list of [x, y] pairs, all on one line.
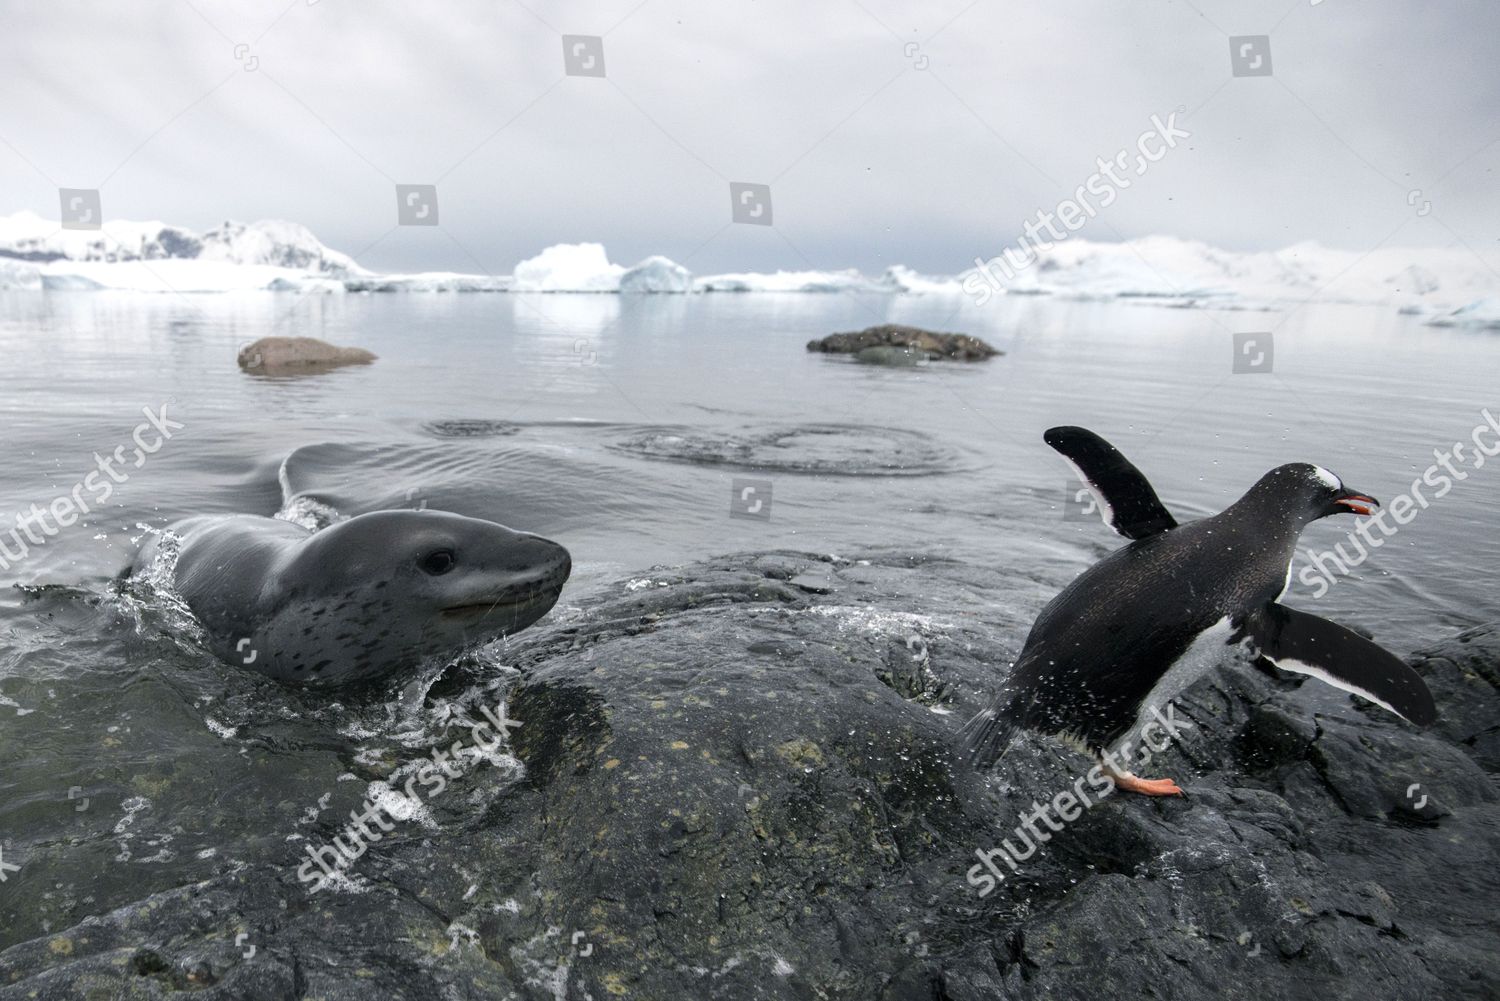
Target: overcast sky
{"points": [[918, 133]]}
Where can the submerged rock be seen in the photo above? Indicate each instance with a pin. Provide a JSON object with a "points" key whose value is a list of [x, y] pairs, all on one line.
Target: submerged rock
{"points": [[955, 347], [298, 355], [820, 449], [741, 786], [895, 357]]}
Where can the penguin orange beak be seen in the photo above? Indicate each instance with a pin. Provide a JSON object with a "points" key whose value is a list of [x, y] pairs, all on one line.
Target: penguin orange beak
{"points": [[1359, 503]]}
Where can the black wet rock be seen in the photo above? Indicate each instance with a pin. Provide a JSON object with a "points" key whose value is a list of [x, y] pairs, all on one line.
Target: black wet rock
{"points": [[898, 344], [740, 787], [815, 583], [1464, 675]]}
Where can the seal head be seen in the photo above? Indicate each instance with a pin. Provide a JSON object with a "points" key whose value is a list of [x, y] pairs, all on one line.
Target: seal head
{"points": [[365, 597]]}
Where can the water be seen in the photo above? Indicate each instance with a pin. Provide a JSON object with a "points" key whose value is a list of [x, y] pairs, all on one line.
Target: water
{"points": [[616, 425]]}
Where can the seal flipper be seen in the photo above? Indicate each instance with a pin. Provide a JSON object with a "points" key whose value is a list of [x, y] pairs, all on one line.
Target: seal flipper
{"points": [[1306, 644], [1129, 504]]}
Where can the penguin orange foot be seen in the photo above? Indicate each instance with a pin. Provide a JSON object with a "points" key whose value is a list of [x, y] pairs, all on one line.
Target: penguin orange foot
{"points": [[1146, 787]]}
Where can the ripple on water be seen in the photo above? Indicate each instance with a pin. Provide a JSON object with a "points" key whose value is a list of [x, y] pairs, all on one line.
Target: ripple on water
{"points": [[471, 429], [826, 449]]}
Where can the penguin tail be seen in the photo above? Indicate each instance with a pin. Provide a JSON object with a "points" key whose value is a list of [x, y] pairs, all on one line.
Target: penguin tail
{"points": [[985, 738]]}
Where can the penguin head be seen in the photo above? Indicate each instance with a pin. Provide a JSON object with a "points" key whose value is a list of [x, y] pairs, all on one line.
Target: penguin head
{"points": [[1305, 492]]}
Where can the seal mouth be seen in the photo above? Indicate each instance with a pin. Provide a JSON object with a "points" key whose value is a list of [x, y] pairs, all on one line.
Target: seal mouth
{"points": [[503, 606]]}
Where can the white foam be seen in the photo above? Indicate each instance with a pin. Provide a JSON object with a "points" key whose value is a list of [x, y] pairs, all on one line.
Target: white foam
{"points": [[223, 730], [398, 805], [20, 710]]}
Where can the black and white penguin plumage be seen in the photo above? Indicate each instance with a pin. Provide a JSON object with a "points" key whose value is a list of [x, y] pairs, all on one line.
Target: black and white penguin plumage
{"points": [[1137, 628]]}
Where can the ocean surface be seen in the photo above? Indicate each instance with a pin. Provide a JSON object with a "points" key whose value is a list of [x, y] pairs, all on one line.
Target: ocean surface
{"points": [[618, 426]]}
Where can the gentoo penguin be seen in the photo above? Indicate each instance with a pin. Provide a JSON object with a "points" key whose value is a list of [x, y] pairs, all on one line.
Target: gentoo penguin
{"points": [[1134, 630]]}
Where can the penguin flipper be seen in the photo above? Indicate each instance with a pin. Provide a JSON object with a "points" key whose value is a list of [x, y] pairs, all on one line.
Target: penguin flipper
{"points": [[986, 737], [1126, 500], [1306, 644]]}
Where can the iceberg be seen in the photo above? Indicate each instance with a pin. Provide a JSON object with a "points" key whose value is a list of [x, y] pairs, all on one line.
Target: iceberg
{"points": [[427, 281], [1446, 287], [896, 279], [585, 267], [182, 276], [899, 278], [1189, 273], [29, 237], [276, 243], [1481, 314], [793, 281], [657, 274], [568, 267], [153, 256], [15, 274]]}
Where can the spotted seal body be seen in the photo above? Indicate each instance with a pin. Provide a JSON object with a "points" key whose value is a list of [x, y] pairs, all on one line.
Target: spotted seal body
{"points": [[362, 598]]}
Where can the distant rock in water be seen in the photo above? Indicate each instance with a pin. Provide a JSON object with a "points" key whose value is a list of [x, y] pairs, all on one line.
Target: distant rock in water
{"points": [[298, 356], [953, 347]]}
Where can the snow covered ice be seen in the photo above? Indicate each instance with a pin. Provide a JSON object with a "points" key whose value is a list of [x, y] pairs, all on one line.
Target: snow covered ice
{"points": [[1449, 288]]}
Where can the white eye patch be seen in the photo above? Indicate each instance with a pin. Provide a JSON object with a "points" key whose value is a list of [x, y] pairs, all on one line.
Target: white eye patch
{"points": [[1328, 479]]}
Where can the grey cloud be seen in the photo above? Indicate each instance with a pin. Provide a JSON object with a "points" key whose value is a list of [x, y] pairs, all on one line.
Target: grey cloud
{"points": [[872, 159]]}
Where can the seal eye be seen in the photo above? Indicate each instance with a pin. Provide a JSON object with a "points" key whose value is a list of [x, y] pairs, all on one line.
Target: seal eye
{"points": [[437, 563]]}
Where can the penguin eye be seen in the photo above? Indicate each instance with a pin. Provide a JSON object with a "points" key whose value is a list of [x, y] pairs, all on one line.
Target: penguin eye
{"points": [[437, 563]]}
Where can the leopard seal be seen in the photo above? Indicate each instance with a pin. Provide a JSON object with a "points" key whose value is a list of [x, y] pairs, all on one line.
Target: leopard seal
{"points": [[362, 598]]}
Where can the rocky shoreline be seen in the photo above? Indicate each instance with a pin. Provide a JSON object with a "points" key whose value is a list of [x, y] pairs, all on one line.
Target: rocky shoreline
{"points": [[739, 784]]}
